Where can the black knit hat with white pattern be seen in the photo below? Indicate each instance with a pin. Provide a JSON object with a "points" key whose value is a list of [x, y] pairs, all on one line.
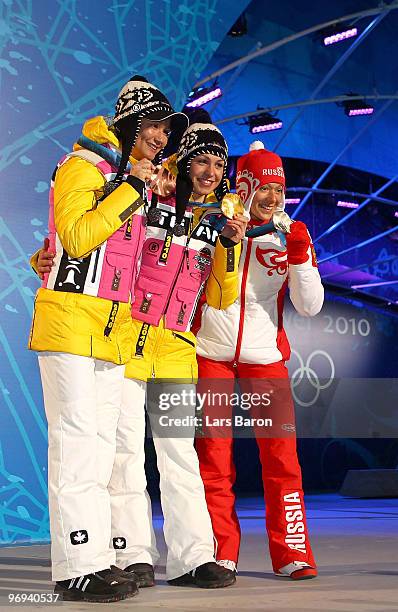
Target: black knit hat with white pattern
{"points": [[201, 138], [137, 100]]}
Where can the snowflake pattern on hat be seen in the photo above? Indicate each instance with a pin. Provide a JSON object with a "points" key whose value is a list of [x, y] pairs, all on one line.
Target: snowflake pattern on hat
{"points": [[140, 97], [188, 141], [202, 138]]}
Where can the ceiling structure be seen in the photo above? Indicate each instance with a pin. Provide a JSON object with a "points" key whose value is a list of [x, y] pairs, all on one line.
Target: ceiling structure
{"points": [[282, 65]]}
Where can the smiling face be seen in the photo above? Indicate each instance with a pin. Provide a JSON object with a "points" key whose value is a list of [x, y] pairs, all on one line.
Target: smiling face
{"points": [[266, 201], [151, 139], [206, 172]]}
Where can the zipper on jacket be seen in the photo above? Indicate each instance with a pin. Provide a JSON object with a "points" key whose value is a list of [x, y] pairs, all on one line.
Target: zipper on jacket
{"points": [[182, 338], [242, 302], [185, 257], [180, 269]]}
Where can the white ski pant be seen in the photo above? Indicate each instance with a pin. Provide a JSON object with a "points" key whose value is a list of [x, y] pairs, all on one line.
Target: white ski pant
{"points": [[187, 525], [82, 398]]}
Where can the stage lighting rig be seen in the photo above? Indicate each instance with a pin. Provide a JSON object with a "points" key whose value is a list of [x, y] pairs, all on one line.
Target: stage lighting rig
{"points": [[337, 33], [292, 200], [202, 95], [263, 122], [343, 204], [352, 108]]}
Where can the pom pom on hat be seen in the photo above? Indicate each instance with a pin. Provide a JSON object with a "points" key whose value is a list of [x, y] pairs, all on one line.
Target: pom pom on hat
{"points": [[256, 145]]}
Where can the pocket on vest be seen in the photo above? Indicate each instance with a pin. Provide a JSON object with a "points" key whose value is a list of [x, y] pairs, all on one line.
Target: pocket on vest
{"points": [[116, 277], [181, 307]]}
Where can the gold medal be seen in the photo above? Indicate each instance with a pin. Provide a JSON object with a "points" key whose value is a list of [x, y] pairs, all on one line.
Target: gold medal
{"points": [[232, 205]]}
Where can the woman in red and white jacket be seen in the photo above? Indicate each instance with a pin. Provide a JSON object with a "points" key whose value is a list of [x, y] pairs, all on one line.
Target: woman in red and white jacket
{"points": [[247, 341]]}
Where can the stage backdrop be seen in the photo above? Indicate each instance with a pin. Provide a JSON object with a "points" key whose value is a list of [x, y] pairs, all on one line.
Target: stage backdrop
{"points": [[62, 62]]}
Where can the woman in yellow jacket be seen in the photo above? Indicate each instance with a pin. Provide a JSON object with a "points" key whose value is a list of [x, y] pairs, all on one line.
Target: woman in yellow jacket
{"points": [[181, 254], [82, 329]]}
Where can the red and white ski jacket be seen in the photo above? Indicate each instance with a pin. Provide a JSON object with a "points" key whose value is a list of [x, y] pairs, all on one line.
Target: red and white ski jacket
{"points": [[251, 329]]}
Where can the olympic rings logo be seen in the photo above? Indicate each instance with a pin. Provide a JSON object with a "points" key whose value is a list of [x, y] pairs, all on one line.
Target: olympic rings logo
{"points": [[308, 372]]}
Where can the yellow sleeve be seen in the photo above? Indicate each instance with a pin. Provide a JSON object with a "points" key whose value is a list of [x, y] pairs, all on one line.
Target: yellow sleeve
{"points": [[222, 287], [34, 261], [80, 224]]}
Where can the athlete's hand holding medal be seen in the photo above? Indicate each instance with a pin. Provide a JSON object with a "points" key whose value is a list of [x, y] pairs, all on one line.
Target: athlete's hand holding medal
{"points": [[162, 182], [280, 222], [236, 218], [143, 170]]}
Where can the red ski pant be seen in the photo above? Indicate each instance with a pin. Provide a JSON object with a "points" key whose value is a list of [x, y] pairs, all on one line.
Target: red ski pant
{"points": [[281, 473]]}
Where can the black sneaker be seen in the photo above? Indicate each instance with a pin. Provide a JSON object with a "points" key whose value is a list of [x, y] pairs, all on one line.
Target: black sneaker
{"points": [[207, 576], [145, 576], [104, 586], [130, 576]]}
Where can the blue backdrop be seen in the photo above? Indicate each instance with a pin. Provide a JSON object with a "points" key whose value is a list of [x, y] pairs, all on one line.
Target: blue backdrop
{"points": [[62, 62]]}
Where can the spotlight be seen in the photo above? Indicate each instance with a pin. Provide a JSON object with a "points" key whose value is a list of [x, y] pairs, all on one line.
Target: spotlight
{"points": [[353, 108], [364, 110], [343, 204], [202, 95], [264, 122], [337, 33], [292, 200], [240, 27]]}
